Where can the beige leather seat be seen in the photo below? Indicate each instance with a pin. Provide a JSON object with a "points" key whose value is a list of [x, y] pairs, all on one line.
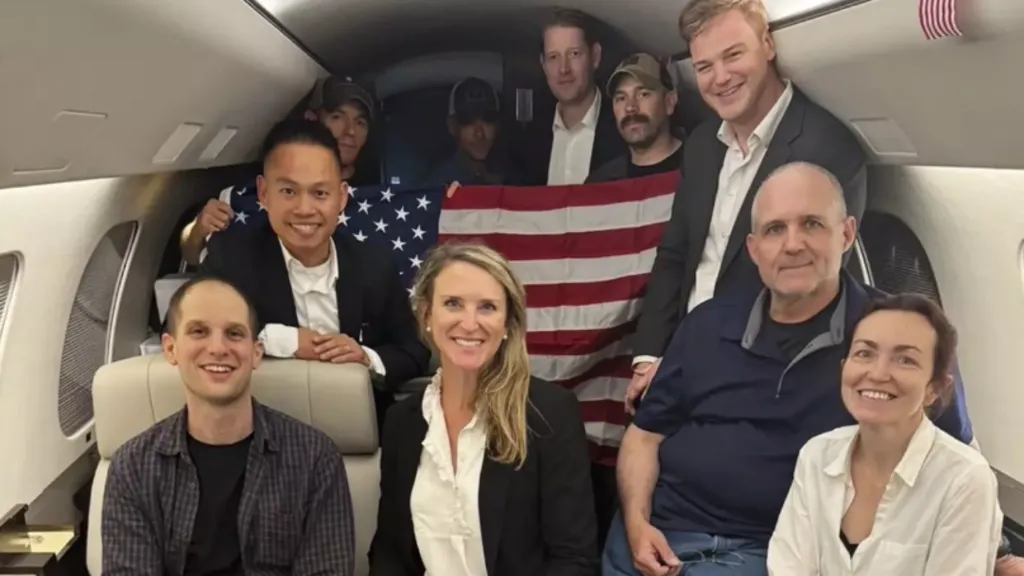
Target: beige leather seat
{"points": [[131, 395]]}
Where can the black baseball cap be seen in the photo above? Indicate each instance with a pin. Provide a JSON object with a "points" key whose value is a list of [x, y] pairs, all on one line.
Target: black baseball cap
{"points": [[334, 91], [473, 99]]}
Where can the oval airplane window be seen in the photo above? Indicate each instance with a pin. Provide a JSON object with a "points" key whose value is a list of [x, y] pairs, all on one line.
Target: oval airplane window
{"points": [[1020, 257], [898, 261], [8, 278]]}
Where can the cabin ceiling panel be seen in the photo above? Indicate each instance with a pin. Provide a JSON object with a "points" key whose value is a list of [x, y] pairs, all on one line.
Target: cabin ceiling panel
{"points": [[96, 88], [358, 36], [944, 102]]}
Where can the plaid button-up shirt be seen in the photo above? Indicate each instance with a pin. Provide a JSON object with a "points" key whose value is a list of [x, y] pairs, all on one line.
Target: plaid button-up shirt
{"points": [[295, 515]]}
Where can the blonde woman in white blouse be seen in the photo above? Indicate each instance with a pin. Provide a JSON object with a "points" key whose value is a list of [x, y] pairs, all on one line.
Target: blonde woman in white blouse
{"points": [[892, 494], [487, 472]]}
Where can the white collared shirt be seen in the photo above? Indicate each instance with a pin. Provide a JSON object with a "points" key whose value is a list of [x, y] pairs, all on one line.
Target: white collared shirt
{"points": [[445, 502], [939, 515], [734, 180], [316, 307], [571, 148]]}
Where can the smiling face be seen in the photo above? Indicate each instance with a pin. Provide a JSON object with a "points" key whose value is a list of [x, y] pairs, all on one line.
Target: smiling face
{"points": [[800, 232], [467, 316], [731, 58], [213, 344], [301, 190], [888, 375]]}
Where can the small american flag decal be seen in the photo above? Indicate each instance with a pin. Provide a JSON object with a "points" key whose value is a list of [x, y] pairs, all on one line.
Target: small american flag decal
{"points": [[939, 18]]}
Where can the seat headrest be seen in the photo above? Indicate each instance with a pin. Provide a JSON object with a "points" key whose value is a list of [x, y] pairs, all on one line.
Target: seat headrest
{"points": [[131, 395], [164, 289]]}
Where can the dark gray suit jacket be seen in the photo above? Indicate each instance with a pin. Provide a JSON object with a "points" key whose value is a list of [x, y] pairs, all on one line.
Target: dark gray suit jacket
{"points": [[808, 133]]}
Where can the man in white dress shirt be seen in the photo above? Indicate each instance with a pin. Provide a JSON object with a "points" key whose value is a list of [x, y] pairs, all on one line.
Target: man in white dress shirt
{"points": [[322, 297], [581, 135], [764, 122]]}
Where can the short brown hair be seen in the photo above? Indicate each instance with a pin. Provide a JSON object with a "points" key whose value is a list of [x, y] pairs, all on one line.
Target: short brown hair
{"points": [[568, 18], [944, 355], [174, 306], [698, 13]]}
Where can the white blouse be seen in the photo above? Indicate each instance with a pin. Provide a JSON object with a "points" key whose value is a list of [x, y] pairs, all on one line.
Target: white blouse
{"points": [[939, 515], [445, 505]]}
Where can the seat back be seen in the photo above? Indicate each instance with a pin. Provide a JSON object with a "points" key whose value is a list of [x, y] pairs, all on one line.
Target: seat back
{"points": [[164, 288], [131, 395]]}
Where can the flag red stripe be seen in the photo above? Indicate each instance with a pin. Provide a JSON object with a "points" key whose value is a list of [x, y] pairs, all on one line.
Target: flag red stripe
{"points": [[615, 290], [542, 199], [938, 18], [600, 244], [610, 411], [604, 455]]}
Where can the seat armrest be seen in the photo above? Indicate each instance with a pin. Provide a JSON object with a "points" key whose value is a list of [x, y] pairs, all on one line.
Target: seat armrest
{"points": [[1005, 548], [414, 386]]}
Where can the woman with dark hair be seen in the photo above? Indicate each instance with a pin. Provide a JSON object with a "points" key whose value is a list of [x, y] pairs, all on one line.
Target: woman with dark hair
{"points": [[892, 494]]}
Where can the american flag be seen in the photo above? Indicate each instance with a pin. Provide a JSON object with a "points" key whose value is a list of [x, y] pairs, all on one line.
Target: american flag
{"points": [[583, 252], [402, 218], [939, 18]]}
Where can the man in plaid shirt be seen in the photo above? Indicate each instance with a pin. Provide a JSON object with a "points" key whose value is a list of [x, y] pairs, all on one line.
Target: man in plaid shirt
{"points": [[225, 486]]}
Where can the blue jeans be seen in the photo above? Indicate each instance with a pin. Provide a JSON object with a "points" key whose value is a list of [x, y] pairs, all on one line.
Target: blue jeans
{"points": [[701, 554]]}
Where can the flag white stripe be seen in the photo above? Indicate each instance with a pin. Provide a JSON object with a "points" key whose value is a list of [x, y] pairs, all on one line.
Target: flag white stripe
{"points": [[576, 219], [602, 388], [601, 316], [604, 434], [570, 271]]}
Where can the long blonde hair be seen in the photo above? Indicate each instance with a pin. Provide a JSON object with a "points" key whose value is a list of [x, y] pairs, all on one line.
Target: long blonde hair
{"points": [[504, 384]]}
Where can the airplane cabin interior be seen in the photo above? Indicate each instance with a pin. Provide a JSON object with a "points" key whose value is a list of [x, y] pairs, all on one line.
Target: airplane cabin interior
{"points": [[121, 118]]}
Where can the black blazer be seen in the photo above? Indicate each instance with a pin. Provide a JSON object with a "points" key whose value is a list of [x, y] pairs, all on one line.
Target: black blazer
{"points": [[535, 152], [807, 132], [538, 520], [371, 298]]}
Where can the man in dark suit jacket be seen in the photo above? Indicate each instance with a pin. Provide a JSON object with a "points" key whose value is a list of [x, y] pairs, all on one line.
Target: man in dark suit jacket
{"points": [[582, 120], [319, 297], [766, 122]]}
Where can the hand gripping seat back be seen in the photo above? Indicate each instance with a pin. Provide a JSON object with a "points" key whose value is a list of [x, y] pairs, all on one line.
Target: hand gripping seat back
{"points": [[131, 395]]}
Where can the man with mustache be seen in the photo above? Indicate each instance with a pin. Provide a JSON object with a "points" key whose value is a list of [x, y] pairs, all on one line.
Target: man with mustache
{"points": [[643, 98]]}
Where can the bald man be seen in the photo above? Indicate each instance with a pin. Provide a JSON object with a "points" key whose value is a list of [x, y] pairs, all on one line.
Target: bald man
{"points": [[746, 380]]}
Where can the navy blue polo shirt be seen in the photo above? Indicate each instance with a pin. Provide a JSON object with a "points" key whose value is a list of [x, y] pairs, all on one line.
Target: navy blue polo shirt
{"points": [[735, 412]]}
